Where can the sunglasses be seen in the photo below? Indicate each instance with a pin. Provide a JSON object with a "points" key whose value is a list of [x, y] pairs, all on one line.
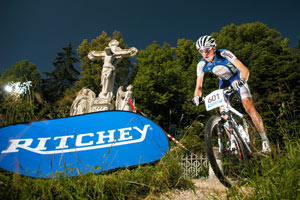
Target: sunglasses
{"points": [[205, 49]]}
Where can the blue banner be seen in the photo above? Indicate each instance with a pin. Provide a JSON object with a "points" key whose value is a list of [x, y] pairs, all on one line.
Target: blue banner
{"points": [[93, 142]]}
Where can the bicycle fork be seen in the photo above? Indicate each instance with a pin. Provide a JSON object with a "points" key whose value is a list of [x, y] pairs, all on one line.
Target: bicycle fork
{"points": [[221, 128], [227, 126]]}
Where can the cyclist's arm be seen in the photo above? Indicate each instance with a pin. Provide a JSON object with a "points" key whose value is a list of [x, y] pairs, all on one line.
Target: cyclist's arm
{"points": [[199, 81], [243, 69], [198, 89]]}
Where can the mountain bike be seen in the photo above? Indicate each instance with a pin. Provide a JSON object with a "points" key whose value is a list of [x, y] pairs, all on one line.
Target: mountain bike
{"points": [[229, 138]]}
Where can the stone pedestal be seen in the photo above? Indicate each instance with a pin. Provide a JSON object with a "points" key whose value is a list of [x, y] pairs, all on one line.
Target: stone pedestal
{"points": [[103, 103]]}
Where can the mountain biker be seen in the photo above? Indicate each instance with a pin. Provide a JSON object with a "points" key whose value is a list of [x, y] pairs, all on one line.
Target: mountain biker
{"points": [[231, 72]]}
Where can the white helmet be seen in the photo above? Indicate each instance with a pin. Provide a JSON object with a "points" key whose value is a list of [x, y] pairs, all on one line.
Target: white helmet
{"points": [[205, 41]]}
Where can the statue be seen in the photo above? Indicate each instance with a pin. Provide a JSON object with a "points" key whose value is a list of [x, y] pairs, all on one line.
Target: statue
{"points": [[86, 100], [122, 101], [111, 56], [83, 102]]}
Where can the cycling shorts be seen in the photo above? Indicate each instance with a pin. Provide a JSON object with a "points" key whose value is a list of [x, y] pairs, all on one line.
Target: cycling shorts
{"points": [[243, 92]]}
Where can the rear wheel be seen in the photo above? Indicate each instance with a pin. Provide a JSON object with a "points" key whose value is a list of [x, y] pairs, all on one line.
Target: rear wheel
{"points": [[219, 148]]}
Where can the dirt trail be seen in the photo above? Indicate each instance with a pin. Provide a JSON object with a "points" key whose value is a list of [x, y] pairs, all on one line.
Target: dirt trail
{"points": [[204, 189]]}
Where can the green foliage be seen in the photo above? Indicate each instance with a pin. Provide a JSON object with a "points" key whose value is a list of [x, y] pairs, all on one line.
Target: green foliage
{"points": [[62, 77], [274, 177], [139, 183], [279, 176], [157, 85], [193, 138], [23, 71], [18, 108], [14, 107], [165, 82]]}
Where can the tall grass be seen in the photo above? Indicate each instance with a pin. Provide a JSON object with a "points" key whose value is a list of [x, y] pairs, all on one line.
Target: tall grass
{"points": [[17, 108], [139, 183], [276, 176]]}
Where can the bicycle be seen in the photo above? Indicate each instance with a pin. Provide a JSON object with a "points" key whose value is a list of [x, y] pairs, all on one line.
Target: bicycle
{"points": [[229, 139]]}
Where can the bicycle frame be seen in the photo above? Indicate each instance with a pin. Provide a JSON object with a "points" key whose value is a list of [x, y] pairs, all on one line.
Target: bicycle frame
{"points": [[217, 99], [229, 135]]}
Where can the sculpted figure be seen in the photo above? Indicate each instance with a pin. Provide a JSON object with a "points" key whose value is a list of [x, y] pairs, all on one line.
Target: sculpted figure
{"points": [[119, 98], [111, 56], [83, 102], [122, 101]]}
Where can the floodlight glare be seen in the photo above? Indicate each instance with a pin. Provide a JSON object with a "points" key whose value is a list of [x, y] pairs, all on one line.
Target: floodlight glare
{"points": [[8, 88], [18, 87]]}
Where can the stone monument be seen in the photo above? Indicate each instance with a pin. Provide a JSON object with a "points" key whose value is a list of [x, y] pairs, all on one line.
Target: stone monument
{"points": [[111, 56], [83, 102], [122, 100]]}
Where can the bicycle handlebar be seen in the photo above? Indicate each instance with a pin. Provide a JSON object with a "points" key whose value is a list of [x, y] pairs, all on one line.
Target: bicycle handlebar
{"points": [[227, 91]]}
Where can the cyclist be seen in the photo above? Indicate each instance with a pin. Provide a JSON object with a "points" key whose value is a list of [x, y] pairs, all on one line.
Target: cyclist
{"points": [[231, 72]]}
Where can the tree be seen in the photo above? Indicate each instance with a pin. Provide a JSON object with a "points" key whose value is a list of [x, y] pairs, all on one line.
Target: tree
{"points": [[63, 77], [157, 85], [298, 45], [23, 71]]}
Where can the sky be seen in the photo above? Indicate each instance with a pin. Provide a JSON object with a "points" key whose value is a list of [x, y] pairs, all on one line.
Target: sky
{"points": [[36, 30]]}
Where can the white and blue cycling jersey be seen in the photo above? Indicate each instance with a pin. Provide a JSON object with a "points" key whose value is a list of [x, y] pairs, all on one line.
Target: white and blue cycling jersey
{"points": [[224, 69]]}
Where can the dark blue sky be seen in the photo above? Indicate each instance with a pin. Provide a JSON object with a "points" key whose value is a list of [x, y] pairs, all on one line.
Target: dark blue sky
{"points": [[37, 29]]}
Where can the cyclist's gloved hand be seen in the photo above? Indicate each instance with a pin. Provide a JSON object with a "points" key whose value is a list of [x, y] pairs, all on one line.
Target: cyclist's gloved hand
{"points": [[237, 84], [197, 100]]}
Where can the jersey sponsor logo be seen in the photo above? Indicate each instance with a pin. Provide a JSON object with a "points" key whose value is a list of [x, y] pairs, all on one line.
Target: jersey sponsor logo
{"points": [[227, 54], [222, 72]]}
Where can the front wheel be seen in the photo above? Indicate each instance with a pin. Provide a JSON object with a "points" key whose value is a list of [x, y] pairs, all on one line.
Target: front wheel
{"points": [[223, 146]]}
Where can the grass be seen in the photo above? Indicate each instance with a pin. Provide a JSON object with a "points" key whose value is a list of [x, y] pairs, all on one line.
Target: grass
{"points": [[139, 183], [274, 177], [278, 177]]}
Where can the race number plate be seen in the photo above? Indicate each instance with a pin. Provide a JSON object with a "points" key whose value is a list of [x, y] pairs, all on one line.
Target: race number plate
{"points": [[214, 100]]}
